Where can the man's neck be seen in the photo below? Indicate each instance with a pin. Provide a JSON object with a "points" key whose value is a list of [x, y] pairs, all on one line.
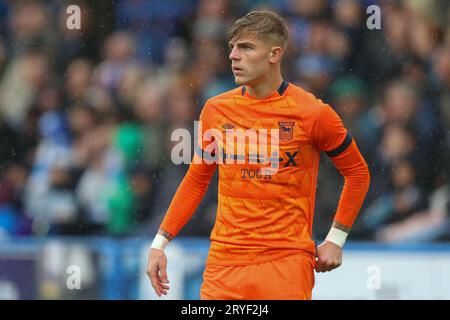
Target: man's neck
{"points": [[265, 88]]}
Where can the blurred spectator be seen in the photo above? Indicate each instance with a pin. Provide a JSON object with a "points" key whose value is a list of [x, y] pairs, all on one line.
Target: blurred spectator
{"points": [[44, 203], [211, 20], [29, 26], [148, 112], [103, 189], [397, 142], [74, 43], [430, 224], [315, 73], [404, 104], [154, 23], [23, 78], [309, 9], [119, 49], [398, 201], [13, 221], [350, 98], [142, 181], [379, 65], [77, 80]]}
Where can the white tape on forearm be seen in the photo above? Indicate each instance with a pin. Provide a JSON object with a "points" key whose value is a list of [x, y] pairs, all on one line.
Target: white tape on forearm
{"points": [[337, 236], [160, 242]]}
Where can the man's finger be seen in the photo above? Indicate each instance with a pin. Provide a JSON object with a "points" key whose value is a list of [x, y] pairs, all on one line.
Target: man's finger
{"points": [[155, 281], [322, 266], [163, 274], [157, 289], [158, 282], [163, 286], [163, 290], [319, 266]]}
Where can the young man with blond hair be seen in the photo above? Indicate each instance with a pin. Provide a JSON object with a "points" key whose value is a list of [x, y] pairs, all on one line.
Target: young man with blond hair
{"points": [[261, 243]]}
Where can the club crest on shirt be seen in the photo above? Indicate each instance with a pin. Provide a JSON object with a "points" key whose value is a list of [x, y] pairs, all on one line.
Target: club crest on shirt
{"points": [[286, 130]]}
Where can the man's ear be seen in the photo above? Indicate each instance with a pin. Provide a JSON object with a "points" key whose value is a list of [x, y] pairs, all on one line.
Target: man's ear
{"points": [[275, 54]]}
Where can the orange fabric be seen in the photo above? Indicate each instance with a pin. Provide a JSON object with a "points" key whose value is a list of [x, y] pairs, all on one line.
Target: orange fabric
{"points": [[188, 196], [259, 217], [288, 278], [353, 167]]}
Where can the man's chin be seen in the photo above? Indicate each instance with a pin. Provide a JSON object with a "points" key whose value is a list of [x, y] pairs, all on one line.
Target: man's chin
{"points": [[239, 81]]}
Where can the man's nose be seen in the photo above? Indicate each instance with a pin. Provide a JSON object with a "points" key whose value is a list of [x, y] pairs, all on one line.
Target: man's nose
{"points": [[234, 54]]}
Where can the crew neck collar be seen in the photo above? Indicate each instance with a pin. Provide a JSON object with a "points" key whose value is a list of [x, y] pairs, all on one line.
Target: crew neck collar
{"points": [[280, 91]]}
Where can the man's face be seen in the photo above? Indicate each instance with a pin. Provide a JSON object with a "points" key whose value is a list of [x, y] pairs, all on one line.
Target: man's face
{"points": [[250, 59]]}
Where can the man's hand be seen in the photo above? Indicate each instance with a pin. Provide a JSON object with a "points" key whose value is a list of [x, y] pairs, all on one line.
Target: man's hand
{"points": [[156, 270], [329, 256]]}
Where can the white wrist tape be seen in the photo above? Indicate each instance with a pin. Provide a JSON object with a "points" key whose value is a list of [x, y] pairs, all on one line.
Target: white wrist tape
{"points": [[160, 242], [337, 236]]}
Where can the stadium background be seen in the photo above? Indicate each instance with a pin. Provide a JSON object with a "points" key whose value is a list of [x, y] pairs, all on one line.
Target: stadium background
{"points": [[86, 118]]}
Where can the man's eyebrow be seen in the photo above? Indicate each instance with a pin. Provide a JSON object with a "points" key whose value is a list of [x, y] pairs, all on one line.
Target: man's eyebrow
{"points": [[239, 44]]}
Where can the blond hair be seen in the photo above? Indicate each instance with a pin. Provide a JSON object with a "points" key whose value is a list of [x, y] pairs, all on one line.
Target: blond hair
{"points": [[263, 24]]}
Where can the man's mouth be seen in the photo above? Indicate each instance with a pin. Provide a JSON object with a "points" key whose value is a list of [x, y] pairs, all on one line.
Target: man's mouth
{"points": [[237, 69]]}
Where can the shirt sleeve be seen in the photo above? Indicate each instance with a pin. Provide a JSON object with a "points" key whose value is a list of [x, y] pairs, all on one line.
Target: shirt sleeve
{"points": [[194, 185], [354, 169], [328, 132], [329, 135]]}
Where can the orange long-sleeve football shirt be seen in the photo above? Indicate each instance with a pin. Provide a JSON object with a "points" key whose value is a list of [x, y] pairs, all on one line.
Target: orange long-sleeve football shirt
{"points": [[262, 217]]}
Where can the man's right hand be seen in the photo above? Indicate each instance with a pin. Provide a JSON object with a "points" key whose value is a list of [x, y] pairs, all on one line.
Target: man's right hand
{"points": [[156, 270]]}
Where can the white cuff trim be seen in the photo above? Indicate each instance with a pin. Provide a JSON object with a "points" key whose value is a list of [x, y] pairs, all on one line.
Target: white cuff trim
{"points": [[160, 242], [337, 236]]}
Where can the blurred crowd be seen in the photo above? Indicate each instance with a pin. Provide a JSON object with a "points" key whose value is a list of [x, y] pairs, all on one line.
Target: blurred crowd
{"points": [[86, 115]]}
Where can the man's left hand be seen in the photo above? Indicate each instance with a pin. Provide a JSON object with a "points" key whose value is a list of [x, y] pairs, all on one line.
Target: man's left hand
{"points": [[329, 256]]}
